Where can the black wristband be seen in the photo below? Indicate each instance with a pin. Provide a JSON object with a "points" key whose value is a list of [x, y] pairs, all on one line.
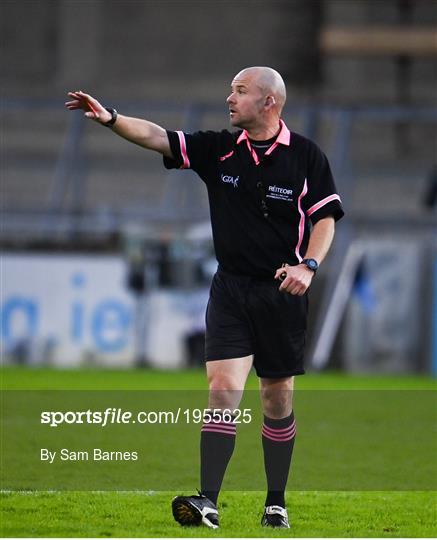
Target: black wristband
{"points": [[114, 114], [312, 264]]}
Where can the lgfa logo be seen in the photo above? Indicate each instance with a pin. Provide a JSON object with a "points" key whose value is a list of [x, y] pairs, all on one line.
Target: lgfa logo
{"points": [[230, 180]]}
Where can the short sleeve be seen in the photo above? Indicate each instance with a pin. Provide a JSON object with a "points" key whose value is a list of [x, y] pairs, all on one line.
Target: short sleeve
{"points": [[322, 199], [191, 150]]}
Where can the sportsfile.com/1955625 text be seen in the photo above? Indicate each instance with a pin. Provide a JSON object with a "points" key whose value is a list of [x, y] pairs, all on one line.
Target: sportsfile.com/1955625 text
{"points": [[113, 415]]}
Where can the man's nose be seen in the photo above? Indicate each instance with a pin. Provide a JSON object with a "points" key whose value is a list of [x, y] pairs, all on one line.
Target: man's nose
{"points": [[230, 99]]}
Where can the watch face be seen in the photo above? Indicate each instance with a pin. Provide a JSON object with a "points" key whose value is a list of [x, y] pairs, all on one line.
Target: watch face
{"points": [[312, 264]]}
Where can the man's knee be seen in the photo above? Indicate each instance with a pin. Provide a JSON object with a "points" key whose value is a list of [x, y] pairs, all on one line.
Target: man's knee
{"points": [[224, 391], [222, 380], [277, 397], [226, 380]]}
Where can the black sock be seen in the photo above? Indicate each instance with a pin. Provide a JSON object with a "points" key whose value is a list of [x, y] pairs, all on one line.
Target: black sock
{"points": [[278, 442], [217, 442]]}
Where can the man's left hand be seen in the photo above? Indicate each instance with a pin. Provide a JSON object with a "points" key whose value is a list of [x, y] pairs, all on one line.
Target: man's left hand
{"points": [[298, 278]]}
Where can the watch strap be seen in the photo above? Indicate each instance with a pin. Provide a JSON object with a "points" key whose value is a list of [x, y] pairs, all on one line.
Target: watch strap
{"points": [[113, 114], [312, 264]]}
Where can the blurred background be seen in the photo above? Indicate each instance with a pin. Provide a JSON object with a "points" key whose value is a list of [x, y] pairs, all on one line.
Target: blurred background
{"points": [[107, 257]]}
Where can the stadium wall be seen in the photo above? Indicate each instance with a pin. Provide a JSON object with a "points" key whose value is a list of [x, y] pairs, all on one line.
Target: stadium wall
{"points": [[72, 310]]}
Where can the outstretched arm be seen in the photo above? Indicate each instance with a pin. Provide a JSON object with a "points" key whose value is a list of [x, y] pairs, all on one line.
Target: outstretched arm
{"points": [[136, 130], [299, 277]]}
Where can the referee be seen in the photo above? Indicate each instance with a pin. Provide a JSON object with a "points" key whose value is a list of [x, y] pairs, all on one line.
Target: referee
{"points": [[273, 206]]}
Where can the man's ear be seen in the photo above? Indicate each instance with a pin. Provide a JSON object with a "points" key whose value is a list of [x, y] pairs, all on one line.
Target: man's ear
{"points": [[270, 101]]}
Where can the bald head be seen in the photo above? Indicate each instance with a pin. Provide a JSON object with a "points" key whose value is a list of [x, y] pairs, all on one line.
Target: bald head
{"points": [[269, 81]]}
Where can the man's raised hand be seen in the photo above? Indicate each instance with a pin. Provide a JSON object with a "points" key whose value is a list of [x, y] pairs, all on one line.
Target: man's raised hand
{"points": [[93, 109]]}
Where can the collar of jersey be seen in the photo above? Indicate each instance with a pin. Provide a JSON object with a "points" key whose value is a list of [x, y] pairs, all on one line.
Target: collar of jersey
{"points": [[283, 137]]}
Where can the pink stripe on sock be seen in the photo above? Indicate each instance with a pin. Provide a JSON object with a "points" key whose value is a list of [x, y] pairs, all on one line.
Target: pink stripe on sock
{"points": [[224, 426], [231, 427], [282, 438], [219, 423], [220, 430], [275, 431]]}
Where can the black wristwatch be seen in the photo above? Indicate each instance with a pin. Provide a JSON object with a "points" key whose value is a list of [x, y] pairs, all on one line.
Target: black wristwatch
{"points": [[312, 264], [111, 122]]}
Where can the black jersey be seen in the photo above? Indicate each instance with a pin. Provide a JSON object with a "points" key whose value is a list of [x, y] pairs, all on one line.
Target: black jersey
{"points": [[261, 209]]}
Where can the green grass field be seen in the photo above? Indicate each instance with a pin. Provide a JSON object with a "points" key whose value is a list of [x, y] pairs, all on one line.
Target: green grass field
{"points": [[147, 513]]}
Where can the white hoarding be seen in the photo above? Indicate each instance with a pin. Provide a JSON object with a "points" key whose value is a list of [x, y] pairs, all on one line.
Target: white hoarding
{"points": [[69, 310]]}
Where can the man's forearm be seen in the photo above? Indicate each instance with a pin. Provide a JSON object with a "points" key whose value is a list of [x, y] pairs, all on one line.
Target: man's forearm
{"points": [[321, 239], [298, 278], [144, 133], [138, 131]]}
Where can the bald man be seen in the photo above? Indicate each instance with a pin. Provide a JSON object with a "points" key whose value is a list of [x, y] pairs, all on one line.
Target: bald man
{"points": [[273, 207]]}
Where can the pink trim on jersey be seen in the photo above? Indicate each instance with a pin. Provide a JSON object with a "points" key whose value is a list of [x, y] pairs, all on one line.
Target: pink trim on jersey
{"points": [[301, 221], [243, 136], [283, 137], [183, 146], [322, 203], [252, 151], [226, 156], [270, 150]]}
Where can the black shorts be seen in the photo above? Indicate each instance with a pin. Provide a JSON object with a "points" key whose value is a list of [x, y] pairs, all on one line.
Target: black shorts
{"points": [[248, 316]]}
